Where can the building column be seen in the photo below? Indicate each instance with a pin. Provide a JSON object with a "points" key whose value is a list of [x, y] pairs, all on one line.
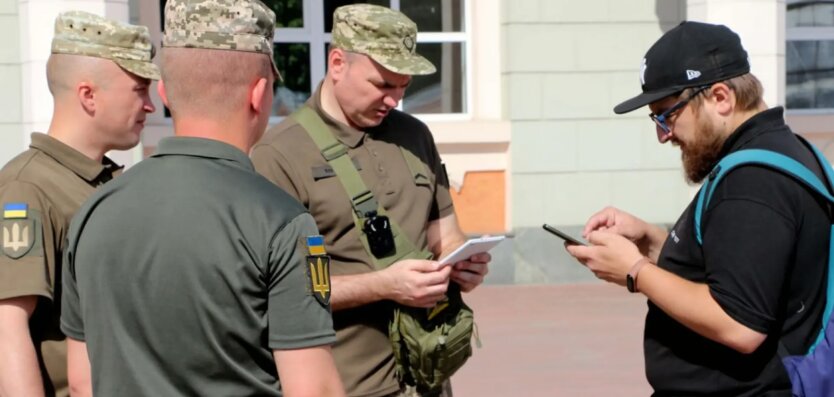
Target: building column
{"points": [[36, 27]]}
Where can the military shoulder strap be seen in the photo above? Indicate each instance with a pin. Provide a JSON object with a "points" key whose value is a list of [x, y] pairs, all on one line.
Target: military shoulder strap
{"points": [[362, 200]]}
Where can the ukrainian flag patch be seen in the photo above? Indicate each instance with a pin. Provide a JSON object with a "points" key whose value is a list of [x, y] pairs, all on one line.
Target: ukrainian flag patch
{"points": [[15, 210], [315, 245]]}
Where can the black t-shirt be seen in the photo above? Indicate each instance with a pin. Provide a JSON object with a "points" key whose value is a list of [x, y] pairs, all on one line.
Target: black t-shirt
{"points": [[764, 257]]}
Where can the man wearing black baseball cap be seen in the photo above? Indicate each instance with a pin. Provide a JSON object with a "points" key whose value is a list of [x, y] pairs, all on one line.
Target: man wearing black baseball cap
{"points": [[720, 312]]}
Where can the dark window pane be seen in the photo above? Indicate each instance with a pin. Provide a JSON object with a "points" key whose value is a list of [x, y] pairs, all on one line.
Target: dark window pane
{"points": [[810, 14], [293, 61], [445, 90], [332, 5], [810, 80], [434, 15], [288, 13]]}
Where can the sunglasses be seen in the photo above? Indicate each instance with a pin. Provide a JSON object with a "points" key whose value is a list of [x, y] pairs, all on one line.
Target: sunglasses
{"points": [[662, 119]]}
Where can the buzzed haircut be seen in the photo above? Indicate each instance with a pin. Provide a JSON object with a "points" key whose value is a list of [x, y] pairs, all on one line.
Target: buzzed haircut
{"points": [[64, 71], [210, 83]]}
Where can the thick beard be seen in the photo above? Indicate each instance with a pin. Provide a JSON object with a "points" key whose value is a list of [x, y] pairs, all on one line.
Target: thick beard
{"points": [[701, 155]]}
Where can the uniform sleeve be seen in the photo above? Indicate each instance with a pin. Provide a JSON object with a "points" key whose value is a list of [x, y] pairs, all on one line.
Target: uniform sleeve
{"points": [[24, 268], [272, 165], [299, 294], [748, 247], [442, 205]]}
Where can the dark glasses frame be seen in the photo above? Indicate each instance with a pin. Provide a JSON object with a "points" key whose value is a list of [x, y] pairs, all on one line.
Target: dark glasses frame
{"points": [[662, 118]]}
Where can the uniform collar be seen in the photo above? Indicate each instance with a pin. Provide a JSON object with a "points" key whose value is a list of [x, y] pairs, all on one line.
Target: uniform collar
{"points": [[347, 135], [85, 167], [202, 147], [766, 121]]}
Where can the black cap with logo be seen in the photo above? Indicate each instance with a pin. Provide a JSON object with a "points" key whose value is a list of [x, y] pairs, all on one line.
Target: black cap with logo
{"points": [[690, 55]]}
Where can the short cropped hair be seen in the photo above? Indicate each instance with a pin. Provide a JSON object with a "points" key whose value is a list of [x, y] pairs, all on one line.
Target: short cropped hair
{"points": [[210, 83], [748, 90]]}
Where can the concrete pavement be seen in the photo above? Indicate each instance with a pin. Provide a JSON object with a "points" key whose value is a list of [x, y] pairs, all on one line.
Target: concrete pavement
{"points": [[555, 340]]}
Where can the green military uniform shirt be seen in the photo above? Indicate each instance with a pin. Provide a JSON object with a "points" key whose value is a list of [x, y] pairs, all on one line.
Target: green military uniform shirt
{"points": [[40, 191], [288, 157], [184, 274]]}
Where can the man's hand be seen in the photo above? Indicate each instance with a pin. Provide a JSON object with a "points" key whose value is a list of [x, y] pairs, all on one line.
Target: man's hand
{"points": [[470, 273], [417, 283], [648, 238], [610, 257]]}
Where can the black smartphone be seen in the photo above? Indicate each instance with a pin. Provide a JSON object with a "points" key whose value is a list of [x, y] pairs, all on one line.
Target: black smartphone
{"points": [[564, 236]]}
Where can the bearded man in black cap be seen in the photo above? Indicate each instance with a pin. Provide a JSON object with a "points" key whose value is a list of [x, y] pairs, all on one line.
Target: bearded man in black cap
{"points": [[721, 312]]}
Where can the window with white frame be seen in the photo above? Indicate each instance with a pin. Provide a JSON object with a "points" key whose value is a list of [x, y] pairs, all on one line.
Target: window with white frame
{"points": [[302, 36], [810, 55]]}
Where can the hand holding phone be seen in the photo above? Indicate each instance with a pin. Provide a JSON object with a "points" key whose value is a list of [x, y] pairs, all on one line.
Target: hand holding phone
{"points": [[564, 236]]}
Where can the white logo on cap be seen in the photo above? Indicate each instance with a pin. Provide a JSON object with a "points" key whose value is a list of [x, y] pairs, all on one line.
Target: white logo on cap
{"points": [[692, 74], [643, 72]]}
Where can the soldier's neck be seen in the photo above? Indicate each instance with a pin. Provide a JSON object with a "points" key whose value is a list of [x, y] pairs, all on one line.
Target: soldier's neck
{"points": [[331, 106]]}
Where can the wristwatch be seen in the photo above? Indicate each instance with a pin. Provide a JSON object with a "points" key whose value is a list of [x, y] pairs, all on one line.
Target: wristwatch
{"points": [[631, 277]]}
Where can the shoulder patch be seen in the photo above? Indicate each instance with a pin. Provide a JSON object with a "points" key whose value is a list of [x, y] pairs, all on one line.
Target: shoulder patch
{"points": [[18, 237], [15, 210], [318, 276]]}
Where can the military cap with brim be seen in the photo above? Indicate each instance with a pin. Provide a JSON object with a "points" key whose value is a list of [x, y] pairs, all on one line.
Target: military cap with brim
{"points": [[234, 25], [83, 33], [386, 36]]}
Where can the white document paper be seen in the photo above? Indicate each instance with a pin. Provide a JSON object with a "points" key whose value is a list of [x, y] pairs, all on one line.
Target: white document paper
{"points": [[471, 247]]}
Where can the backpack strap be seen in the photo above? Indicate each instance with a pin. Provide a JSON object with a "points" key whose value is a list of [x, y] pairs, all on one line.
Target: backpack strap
{"points": [[362, 199], [766, 158], [794, 169]]}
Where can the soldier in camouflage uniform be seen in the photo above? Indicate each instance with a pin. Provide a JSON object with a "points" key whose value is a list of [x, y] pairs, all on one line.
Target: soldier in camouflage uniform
{"points": [[99, 74], [192, 275], [370, 63]]}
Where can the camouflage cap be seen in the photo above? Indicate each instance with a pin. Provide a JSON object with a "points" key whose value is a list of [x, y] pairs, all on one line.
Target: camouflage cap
{"points": [[129, 46], [386, 36], [236, 25]]}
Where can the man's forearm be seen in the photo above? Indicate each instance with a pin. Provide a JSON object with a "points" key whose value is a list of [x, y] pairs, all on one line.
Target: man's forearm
{"points": [[20, 374], [692, 305], [356, 290], [654, 239]]}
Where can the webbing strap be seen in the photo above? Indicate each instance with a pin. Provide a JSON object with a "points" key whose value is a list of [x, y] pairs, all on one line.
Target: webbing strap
{"points": [[335, 153], [799, 172], [362, 200]]}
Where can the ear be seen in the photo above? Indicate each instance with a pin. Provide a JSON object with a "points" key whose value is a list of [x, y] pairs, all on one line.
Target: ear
{"points": [[337, 63], [86, 93], [257, 95], [723, 98], [160, 89]]}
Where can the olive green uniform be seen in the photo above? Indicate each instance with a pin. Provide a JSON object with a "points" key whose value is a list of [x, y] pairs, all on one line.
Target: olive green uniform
{"points": [[184, 274], [51, 180], [288, 157]]}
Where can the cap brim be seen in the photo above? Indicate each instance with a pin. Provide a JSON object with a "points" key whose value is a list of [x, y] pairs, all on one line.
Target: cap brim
{"points": [[144, 69], [409, 65], [644, 99]]}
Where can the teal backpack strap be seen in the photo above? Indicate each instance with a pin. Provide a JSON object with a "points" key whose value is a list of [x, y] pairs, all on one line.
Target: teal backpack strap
{"points": [[799, 172], [362, 199], [761, 157]]}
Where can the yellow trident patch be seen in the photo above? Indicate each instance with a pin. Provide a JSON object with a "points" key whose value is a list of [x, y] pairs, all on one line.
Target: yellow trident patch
{"points": [[318, 272]]}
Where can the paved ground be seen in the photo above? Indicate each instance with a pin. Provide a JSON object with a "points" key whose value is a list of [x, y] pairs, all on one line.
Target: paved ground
{"points": [[555, 340]]}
